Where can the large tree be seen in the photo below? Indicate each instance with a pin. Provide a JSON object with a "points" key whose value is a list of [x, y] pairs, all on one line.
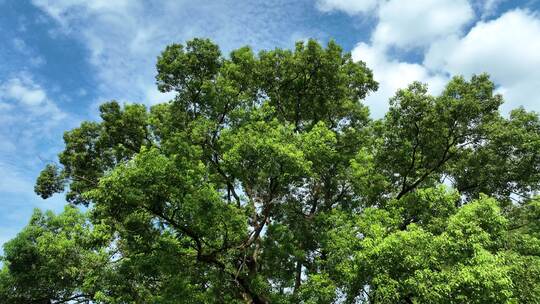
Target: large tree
{"points": [[265, 181]]}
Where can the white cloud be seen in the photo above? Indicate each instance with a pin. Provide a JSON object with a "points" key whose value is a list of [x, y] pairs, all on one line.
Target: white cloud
{"points": [[28, 120], [22, 95], [30, 96], [153, 96], [349, 6], [392, 75], [507, 48], [405, 24]]}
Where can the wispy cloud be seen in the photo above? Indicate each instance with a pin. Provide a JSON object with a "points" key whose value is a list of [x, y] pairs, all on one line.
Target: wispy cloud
{"points": [[22, 94], [28, 120], [125, 37], [34, 59], [30, 133]]}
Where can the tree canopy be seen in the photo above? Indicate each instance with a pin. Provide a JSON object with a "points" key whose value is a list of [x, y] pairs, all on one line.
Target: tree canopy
{"points": [[266, 181]]}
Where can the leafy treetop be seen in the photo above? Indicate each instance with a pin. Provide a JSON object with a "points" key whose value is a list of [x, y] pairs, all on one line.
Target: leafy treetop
{"points": [[265, 181]]}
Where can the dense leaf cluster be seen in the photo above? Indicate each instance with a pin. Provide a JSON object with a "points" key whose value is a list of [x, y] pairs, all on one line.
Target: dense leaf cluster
{"points": [[266, 181]]}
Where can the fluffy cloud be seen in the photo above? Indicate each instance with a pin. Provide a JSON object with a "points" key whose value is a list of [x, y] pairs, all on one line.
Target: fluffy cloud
{"points": [[392, 75], [408, 24], [404, 25], [348, 6], [22, 95], [507, 48], [28, 96]]}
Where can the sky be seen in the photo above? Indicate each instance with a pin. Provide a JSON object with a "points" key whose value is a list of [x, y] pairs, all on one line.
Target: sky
{"points": [[60, 59]]}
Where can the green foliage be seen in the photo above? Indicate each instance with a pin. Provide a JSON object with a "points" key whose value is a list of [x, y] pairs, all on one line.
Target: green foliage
{"points": [[265, 181], [49, 181], [53, 257]]}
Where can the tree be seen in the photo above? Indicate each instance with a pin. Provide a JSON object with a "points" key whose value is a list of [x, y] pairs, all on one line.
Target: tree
{"points": [[265, 181], [53, 259]]}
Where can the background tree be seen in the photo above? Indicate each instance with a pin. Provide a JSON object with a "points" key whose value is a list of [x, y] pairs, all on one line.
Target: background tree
{"points": [[265, 181]]}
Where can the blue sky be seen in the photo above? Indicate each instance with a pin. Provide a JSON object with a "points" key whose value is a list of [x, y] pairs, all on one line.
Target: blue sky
{"points": [[60, 59]]}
